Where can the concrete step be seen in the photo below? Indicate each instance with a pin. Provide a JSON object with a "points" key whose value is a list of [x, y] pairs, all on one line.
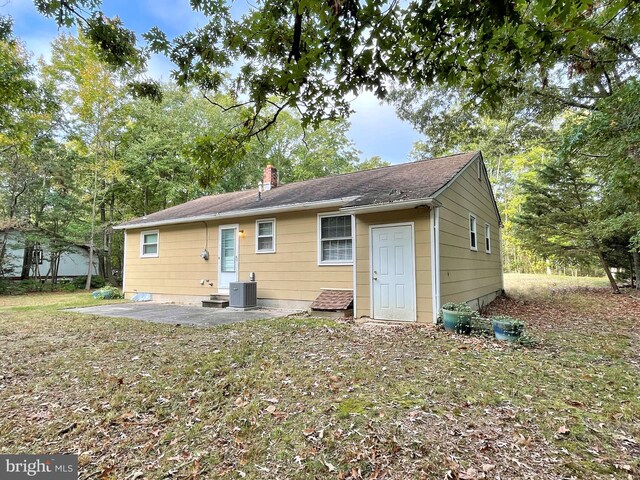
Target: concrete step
{"points": [[217, 303], [219, 296]]}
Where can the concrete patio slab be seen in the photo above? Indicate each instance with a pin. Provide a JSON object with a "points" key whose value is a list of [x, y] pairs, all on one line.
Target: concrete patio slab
{"points": [[181, 314]]}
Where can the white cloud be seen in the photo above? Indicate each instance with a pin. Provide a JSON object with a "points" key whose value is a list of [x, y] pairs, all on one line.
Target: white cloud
{"points": [[33, 29], [376, 130]]}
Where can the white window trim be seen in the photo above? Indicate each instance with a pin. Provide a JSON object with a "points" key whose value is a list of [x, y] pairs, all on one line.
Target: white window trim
{"points": [[319, 242], [474, 231], [142, 244], [487, 238], [273, 234]]}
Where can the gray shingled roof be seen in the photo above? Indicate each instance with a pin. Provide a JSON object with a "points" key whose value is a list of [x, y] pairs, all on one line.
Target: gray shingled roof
{"points": [[404, 182]]}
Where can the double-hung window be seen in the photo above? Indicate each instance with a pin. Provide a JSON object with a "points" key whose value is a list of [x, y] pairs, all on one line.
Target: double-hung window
{"points": [[266, 236], [473, 232], [487, 238], [149, 243], [335, 239]]}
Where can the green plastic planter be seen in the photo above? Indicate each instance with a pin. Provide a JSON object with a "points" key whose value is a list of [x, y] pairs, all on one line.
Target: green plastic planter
{"points": [[456, 322]]}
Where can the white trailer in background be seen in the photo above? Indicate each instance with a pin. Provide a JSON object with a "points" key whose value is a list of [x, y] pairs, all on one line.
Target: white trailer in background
{"points": [[74, 261]]}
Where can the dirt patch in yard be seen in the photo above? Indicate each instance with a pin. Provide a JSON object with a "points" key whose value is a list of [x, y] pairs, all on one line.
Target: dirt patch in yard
{"points": [[573, 308], [312, 398]]}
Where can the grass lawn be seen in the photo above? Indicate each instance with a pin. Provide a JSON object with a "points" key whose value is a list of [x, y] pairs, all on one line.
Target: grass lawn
{"points": [[535, 286], [309, 398]]}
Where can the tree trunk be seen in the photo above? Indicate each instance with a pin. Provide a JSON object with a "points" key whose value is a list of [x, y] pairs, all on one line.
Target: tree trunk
{"points": [[27, 260], [36, 270], [108, 268], [87, 285], [607, 270], [108, 246], [506, 260], [3, 252], [636, 268], [55, 264], [102, 270]]}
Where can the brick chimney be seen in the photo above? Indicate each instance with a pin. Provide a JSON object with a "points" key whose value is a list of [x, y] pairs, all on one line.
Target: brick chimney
{"points": [[270, 178]]}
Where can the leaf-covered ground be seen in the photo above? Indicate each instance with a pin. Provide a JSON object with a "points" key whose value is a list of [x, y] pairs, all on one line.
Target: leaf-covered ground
{"points": [[309, 398]]}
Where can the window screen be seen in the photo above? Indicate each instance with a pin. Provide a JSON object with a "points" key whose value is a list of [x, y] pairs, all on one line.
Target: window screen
{"points": [[336, 243], [265, 239]]}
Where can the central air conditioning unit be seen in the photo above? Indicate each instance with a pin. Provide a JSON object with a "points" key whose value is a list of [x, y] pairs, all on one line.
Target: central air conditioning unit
{"points": [[243, 294]]}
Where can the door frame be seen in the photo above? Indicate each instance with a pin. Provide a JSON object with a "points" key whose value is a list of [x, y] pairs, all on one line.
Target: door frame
{"points": [[236, 228], [413, 267]]}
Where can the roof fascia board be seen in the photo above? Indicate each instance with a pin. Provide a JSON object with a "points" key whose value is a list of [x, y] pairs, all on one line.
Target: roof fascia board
{"points": [[387, 207], [493, 197], [241, 213], [486, 174], [456, 176]]}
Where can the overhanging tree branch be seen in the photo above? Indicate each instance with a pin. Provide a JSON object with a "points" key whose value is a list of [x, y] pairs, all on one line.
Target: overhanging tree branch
{"points": [[565, 101]]}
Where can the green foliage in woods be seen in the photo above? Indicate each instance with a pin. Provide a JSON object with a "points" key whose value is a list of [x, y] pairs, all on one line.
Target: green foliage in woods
{"points": [[312, 55], [539, 86], [569, 134], [76, 162]]}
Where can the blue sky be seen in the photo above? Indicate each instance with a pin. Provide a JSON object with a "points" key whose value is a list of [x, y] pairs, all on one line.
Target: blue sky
{"points": [[375, 128]]}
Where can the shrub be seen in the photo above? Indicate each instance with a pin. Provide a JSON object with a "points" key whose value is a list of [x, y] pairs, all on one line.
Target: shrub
{"points": [[31, 286], [96, 282], [458, 307], [107, 293], [481, 327]]}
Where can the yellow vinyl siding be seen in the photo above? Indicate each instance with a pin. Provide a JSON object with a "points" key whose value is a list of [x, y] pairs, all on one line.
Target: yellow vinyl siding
{"points": [[466, 274], [420, 219], [291, 273], [178, 266]]}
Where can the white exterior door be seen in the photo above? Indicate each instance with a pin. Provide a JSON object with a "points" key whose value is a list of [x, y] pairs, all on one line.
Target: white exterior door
{"points": [[393, 273], [227, 256]]}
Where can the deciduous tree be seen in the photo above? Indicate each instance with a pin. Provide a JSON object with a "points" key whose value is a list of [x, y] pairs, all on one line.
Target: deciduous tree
{"points": [[96, 112], [314, 55]]}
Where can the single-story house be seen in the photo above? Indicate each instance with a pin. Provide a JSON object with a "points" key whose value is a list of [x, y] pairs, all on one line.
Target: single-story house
{"points": [[73, 261], [402, 240]]}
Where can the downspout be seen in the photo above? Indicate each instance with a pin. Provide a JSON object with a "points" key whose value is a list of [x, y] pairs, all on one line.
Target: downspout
{"points": [[501, 259], [354, 227], [435, 261], [124, 265]]}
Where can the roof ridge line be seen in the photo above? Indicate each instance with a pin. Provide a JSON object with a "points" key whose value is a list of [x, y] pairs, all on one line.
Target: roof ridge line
{"points": [[474, 152]]}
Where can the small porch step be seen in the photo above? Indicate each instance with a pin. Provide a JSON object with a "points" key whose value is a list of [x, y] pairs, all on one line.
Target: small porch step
{"points": [[216, 301]]}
